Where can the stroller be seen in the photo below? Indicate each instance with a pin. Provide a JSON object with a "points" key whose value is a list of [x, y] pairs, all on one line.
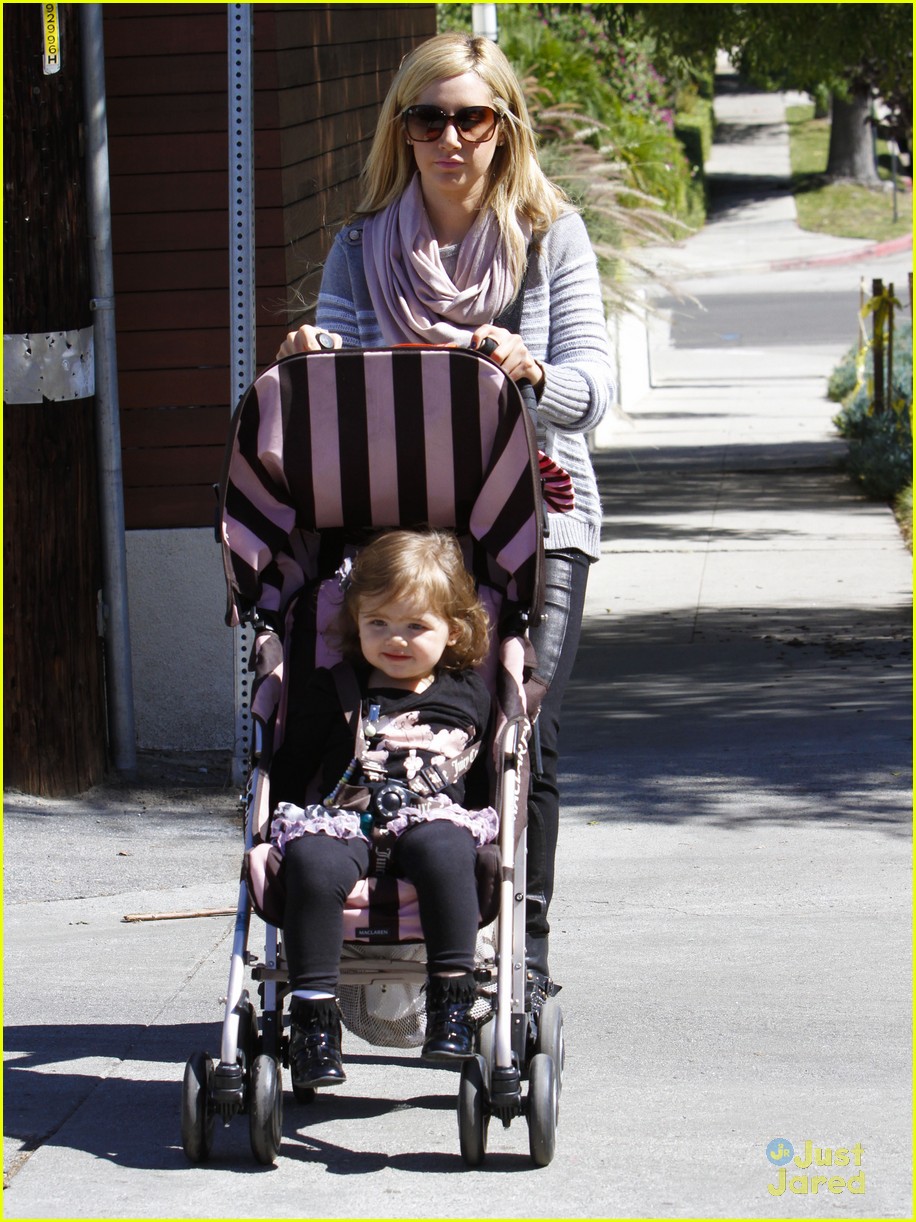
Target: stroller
{"points": [[327, 448]]}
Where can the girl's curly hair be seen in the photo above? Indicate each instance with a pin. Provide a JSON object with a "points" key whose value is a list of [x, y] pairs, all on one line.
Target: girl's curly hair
{"points": [[425, 567]]}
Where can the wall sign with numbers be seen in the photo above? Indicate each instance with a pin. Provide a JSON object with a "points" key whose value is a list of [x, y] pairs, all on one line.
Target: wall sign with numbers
{"points": [[51, 23]]}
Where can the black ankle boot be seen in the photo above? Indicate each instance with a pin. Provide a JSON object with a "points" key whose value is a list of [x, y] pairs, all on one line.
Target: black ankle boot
{"points": [[314, 1043], [449, 1026]]}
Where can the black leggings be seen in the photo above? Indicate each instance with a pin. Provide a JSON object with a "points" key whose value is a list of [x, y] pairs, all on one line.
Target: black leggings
{"points": [[438, 858]]}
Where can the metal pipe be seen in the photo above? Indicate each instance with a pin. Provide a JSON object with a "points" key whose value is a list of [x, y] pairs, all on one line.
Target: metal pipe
{"points": [[242, 286], [484, 21], [118, 667]]}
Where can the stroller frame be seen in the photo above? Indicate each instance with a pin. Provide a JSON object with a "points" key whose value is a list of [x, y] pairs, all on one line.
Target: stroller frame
{"points": [[512, 1047]]}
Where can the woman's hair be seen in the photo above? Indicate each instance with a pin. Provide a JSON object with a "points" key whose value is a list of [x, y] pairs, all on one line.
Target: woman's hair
{"points": [[424, 567], [517, 182]]}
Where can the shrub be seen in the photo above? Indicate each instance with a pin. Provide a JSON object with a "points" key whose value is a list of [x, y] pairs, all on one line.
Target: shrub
{"points": [[842, 381], [880, 455], [694, 126], [903, 508]]}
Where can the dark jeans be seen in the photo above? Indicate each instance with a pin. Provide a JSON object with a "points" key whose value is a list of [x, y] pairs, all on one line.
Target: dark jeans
{"points": [[437, 857], [555, 640]]}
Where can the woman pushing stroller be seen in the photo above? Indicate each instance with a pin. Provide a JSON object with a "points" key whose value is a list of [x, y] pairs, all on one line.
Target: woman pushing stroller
{"points": [[460, 238], [413, 629]]}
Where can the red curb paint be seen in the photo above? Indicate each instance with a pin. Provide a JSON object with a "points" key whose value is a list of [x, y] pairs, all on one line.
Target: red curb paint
{"points": [[890, 247]]}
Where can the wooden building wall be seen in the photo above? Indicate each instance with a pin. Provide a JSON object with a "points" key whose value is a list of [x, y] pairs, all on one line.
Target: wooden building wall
{"points": [[320, 74]]}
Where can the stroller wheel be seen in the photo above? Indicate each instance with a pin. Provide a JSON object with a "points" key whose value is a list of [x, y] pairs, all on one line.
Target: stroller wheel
{"points": [[542, 1109], [550, 1037], [265, 1112], [197, 1116], [473, 1117]]}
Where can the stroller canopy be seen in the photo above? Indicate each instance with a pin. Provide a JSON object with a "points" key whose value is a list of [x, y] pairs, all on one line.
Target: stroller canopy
{"points": [[358, 441]]}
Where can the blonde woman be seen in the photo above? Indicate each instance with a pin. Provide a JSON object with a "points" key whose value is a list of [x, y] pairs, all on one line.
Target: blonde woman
{"points": [[456, 220]]}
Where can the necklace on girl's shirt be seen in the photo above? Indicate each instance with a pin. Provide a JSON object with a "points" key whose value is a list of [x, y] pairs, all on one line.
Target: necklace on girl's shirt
{"points": [[374, 723]]}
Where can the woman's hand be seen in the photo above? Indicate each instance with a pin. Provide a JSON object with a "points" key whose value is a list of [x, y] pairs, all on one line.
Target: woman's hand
{"points": [[309, 339], [511, 355]]}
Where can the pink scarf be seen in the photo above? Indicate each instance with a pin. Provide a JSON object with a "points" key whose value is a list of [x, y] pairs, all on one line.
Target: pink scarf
{"points": [[414, 298]]}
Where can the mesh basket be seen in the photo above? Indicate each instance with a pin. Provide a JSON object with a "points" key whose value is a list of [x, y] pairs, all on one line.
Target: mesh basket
{"points": [[389, 1014], [392, 1013]]}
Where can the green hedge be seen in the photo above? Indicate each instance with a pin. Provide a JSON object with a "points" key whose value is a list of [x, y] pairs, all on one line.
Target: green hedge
{"points": [[694, 129]]}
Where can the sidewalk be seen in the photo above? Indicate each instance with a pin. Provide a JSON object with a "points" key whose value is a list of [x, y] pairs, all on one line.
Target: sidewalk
{"points": [[732, 922]]}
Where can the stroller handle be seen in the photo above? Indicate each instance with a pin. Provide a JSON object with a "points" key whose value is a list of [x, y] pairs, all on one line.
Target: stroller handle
{"points": [[487, 347]]}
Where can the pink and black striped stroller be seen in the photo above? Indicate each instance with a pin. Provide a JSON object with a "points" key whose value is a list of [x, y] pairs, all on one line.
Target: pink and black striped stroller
{"points": [[326, 449]]}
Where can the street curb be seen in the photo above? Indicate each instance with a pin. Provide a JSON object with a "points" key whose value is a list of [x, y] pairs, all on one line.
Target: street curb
{"points": [[876, 251]]}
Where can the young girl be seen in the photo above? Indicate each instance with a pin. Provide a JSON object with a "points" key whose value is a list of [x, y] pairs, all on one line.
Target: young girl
{"points": [[413, 628], [457, 216]]}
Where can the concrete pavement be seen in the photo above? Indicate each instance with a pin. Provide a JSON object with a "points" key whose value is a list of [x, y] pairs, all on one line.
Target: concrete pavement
{"points": [[732, 916]]}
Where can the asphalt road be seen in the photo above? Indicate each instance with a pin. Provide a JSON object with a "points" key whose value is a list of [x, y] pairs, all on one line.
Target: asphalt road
{"points": [[729, 319]]}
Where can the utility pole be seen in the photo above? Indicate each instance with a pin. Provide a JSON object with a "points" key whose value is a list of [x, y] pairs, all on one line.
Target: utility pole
{"points": [[54, 712]]}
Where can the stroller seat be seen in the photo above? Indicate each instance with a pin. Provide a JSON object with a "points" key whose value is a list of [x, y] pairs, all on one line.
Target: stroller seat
{"points": [[380, 910]]}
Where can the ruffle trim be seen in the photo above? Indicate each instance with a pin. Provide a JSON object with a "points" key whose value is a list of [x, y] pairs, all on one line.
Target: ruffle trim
{"points": [[290, 822]]}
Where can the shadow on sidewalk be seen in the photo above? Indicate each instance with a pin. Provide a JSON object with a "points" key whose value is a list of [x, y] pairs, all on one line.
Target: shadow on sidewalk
{"points": [[732, 84], [135, 1122], [791, 495], [744, 716], [735, 193]]}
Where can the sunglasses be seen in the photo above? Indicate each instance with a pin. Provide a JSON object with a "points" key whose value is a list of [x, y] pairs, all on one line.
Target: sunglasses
{"points": [[475, 124]]}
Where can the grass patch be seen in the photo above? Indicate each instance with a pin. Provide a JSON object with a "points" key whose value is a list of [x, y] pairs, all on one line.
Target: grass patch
{"points": [[842, 209]]}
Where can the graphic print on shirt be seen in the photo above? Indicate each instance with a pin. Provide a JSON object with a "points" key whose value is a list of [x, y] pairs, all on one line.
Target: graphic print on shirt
{"points": [[414, 745]]}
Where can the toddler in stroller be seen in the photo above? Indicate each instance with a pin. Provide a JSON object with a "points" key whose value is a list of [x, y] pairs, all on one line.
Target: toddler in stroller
{"points": [[411, 631], [329, 451]]}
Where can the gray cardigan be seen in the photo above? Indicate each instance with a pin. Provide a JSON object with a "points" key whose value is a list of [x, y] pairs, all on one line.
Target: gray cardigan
{"points": [[563, 326]]}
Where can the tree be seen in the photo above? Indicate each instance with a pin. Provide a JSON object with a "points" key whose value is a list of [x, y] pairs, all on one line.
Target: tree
{"points": [[857, 51]]}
